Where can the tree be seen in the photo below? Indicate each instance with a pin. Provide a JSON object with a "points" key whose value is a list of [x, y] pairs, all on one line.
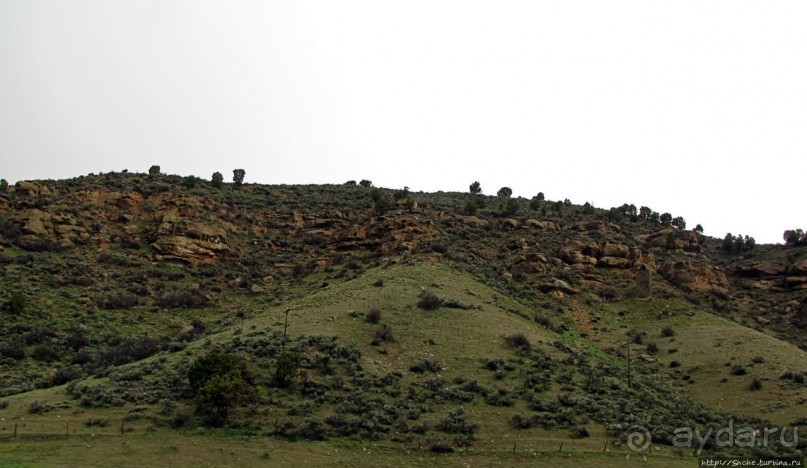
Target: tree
{"points": [[728, 243], [795, 237], [189, 181], [645, 212], [558, 207], [3, 185], [154, 170], [238, 176], [540, 196], [666, 219], [222, 392], [698, 229], [350, 182], [654, 217], [285, 369], [511, 207], [217, 180], [382, 205], [220, 381], [475, 188], [679, 222], [588, 208], [504, 192], [365, 183]]}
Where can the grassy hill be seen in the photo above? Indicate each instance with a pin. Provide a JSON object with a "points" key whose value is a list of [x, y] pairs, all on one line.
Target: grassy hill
{"points": [[116, 285]]}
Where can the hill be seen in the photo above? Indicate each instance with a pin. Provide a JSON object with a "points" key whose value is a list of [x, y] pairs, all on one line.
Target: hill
{"points": [[418, 323]]}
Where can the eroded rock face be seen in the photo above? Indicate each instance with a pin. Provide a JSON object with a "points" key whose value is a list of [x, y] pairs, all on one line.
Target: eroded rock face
{"points": [[695, 276], [33, 189], [529, 263], [580, 253], [557, 286], [671, 238], [59, 228], [189, 241], [760, 269]]}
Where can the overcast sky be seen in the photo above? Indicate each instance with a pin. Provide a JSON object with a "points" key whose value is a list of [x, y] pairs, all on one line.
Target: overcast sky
{"points": [[698, 108]]}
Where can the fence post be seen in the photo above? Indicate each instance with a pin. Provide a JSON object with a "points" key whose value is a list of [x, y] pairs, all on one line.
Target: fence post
{"points": [[15, 429], [561, 447], [514, 446]]}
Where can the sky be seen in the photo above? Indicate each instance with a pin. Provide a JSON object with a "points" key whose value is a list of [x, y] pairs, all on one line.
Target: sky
{"points": [[697, 108]]}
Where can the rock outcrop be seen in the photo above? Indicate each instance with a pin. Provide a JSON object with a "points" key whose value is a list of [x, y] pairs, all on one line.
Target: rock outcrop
{"points": [[695, 276], [189, 241]]}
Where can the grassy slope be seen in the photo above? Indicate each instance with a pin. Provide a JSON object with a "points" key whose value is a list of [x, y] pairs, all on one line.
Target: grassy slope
{"points": [[460, 345]]}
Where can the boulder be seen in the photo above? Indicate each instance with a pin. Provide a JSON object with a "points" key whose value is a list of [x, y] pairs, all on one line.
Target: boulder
{"points": [[556, 285], [612, 249], [543, 225], [798, 269], [695, 276], [474, 221], [509, 224], [580, 253]]}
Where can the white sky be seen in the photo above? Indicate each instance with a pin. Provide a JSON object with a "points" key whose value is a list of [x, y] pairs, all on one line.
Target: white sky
{"points": [[698, 108]]}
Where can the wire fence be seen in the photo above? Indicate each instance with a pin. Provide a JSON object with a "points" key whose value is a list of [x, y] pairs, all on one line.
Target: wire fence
{"points": [[67, 427], [51, 428]]}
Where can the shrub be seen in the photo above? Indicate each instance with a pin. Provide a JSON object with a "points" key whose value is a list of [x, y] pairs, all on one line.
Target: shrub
{"points": [[35, 407], [674, 364], [189, 182], [373, 315], [456, 422], [45, 353], [365, 183], [184, 298], [475, 188], [427, 300], [124, 351], [14, 351], [383, 333], [579, 432], [652, 348], [756, 384], [122, 300], [738, 369], [518, 341], [16, 303], [154, 170], [426, 365], [667, 332], [378, 283], [637, 336], [100, 422]]}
